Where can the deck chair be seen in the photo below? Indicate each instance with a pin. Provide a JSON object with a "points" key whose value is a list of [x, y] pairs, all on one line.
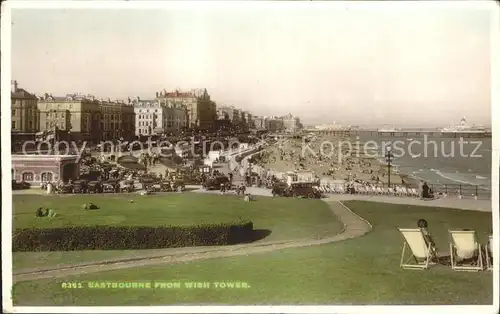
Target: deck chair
{"points": [[488, 248], [419, 251], [465, 251]]}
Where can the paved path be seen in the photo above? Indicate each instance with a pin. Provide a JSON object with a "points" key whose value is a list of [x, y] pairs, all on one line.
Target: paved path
{"points": [[354, 226], [450, 202]]}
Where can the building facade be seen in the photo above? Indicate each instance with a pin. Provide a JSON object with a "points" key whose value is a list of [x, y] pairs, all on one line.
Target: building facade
{"points": [[248, 119], [77, 114], [261, 123], [35, 169], [230, 113], [159, 116], [117, 120], [86, 118], [291, 124], [25, 115], [275, 124], [201, 110]]}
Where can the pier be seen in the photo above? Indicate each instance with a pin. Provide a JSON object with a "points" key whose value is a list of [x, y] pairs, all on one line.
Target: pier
{"points": [[398, 133]]}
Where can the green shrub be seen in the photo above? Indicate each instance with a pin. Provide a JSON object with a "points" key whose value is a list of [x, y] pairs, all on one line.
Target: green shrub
{"points": [[123, 237]]}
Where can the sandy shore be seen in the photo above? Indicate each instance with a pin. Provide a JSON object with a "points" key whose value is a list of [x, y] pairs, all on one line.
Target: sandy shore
{"points": [[337, 163]]}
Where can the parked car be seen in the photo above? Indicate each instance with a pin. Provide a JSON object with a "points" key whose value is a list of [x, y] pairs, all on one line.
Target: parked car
{"points": [[80, 186], [110, 186], [214, 183], [20, 185], [179, 185], [95, 187], [280, 189], [304, 189]]}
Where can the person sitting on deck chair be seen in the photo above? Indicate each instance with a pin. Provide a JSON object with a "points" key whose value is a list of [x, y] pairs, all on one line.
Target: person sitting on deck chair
{"points": [[423, 225], [467, 255]]}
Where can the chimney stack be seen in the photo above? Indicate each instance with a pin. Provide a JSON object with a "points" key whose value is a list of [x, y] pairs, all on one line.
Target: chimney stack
{"points": [[13, 86]]}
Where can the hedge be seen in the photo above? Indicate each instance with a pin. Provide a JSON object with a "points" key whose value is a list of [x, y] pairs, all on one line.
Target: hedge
{"points": [[124, 238]]}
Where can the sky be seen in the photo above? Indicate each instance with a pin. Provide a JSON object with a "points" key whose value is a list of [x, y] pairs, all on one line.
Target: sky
{"points": [[403, 66]]}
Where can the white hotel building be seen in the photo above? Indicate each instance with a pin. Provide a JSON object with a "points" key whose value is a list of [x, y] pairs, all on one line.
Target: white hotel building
{"points": [[156, 117]]}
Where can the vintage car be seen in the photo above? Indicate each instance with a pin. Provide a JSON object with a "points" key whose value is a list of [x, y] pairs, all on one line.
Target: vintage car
{"points": [[65, 188], [304, 189], [126, 186], [214, 183], [148, 182], [95, 187], [165, 186], [110, 186], [80, 186], [280, 189], [20, 185], [179, 185]]}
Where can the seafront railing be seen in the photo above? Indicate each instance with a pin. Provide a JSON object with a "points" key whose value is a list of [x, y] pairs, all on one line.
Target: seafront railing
{"points": [[452, 190]]}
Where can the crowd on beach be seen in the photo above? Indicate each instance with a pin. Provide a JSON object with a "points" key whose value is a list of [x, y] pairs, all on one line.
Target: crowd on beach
{"points": [[340, 163]]}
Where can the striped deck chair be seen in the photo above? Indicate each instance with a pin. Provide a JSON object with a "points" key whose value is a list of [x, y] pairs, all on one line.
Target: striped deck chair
{"points": [[465, 251], [420, 254], [489, 253], [398, 191], [329, 189], [405, 191]]}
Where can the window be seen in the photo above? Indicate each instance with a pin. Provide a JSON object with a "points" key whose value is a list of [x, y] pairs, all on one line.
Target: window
{"points": [[28, 176], [46, 176], [13, 124], [13, 112]]}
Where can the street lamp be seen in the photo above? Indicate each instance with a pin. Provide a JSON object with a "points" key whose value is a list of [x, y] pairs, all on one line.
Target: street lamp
{"points": [[388, 157]]}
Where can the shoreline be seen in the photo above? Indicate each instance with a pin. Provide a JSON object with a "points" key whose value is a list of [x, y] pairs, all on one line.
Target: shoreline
{"points": [[351, 167]]}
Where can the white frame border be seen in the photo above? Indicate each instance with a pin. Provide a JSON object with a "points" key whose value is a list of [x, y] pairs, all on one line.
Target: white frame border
{"points": [[6, 158]]}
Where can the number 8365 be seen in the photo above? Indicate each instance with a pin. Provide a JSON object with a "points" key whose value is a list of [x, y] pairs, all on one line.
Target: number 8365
{"points": [[71, 285]]}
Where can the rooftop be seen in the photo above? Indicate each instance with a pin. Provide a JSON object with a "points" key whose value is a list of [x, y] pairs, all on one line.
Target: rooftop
{"points": [[22, 94]]}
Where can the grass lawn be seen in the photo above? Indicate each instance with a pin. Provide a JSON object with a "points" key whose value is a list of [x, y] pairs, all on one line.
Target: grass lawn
{"points": [[363, 270], [286, 218]]}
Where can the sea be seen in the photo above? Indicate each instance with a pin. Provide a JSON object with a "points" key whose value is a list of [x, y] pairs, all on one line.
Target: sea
{"points": [[437, 160]]}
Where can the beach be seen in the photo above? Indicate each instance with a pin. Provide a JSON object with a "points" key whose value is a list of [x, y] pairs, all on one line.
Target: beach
{"points": [[332, 162], [358, 163]]}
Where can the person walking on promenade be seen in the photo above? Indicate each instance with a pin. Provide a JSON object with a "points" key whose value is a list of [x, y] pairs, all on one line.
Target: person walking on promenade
{"points": [[421, 189]]}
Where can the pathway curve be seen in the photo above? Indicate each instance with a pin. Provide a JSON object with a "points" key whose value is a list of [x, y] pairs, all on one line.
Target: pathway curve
{"points": [[354, 226]]}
